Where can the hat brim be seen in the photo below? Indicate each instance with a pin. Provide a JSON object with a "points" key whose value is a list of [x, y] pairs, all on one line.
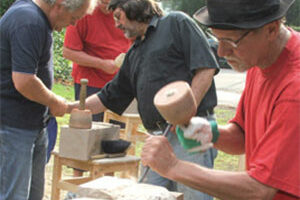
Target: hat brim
{"points": [[202, 16]]}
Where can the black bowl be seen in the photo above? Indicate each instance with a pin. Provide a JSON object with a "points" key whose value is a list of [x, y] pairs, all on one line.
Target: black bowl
{"points": [[115, 146]]}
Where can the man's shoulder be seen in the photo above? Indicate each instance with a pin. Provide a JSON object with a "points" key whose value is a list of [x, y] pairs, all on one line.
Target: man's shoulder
{"points": [[24, 13], [178, 15], [176, 19], [21, 8]]}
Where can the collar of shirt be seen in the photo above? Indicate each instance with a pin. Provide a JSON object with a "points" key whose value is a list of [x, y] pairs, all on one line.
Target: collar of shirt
{"points": [[152, 25]]}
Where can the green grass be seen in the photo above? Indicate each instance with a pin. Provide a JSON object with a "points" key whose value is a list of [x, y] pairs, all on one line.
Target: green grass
{"points": [[66, 91], [225, 161], [224, 113]]}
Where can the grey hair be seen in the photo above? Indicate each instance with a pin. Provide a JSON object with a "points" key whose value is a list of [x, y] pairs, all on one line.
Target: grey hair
{"points": [[73, 5]]}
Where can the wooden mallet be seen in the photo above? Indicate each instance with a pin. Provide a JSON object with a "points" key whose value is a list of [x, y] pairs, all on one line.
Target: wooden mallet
{"points": [[81, 118], [177, 104], [120, 59]]}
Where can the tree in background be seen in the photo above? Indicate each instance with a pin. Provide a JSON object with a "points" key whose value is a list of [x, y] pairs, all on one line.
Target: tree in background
{"points": [[187, 6], [4, 5], [191, 6], [293, 16], [62, 66]]}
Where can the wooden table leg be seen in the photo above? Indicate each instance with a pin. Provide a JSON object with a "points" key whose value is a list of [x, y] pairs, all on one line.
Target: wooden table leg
{"points": [[94, 172], [56, 176], [131, 172], [130, 127], [134, 170]]}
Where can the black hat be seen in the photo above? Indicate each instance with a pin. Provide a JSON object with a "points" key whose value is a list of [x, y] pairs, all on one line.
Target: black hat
{"points": [[241, 14]]}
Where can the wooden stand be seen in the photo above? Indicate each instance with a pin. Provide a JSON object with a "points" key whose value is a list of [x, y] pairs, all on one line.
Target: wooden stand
{"points": [[130, 132], [96, 168]]}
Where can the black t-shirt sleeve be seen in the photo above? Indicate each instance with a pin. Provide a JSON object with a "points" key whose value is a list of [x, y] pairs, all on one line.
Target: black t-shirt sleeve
{"points": [[117, 94], [198, 53], [26, 48]]}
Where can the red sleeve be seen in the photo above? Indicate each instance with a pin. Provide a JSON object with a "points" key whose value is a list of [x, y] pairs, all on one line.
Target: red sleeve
{"points": [[239, 115], [74, 37]]}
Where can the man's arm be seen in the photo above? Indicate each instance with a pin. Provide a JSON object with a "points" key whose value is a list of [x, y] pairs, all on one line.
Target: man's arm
{"points": [[221, 184], [158, 155], [95, 104], [231, 139], [31, 87], [92, 103], [84, 59], [201, 83]]}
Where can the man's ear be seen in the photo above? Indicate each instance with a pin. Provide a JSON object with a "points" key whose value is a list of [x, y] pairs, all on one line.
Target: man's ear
{"points": [[55, 10], [273, 29], [58, 6]]}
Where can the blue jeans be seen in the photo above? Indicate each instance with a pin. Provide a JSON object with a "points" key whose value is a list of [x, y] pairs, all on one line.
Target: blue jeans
{"points": [[52, 134], [205, 159], [22, 163]]}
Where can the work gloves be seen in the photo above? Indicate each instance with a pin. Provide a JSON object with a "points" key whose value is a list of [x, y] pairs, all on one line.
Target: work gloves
{"points": [[199, 135]]}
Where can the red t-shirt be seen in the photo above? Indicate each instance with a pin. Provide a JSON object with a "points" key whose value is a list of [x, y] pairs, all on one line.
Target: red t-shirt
{"points": [[269, 114], [96, 35]]}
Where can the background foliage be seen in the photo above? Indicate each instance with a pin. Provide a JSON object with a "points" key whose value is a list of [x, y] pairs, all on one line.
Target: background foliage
{"points": [[4, 5], [62, 67], [293, 16]]}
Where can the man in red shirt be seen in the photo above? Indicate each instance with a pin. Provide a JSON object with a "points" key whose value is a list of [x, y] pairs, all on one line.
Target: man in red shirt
{"points": [[93, 44], [266, 126]]}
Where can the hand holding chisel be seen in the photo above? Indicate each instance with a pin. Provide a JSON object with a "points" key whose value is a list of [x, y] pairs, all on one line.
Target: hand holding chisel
{"points": [[177, 104], [147, 168]]}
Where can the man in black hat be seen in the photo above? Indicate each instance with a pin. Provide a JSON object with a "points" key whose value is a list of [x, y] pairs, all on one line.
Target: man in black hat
{"points": [[266, 127]]}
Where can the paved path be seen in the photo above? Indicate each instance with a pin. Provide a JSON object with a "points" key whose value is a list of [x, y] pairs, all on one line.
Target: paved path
{"points": [[230, 85]]}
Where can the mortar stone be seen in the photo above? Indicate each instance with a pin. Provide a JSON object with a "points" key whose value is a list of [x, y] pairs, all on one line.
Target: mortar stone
{"points": [[81, 144]]}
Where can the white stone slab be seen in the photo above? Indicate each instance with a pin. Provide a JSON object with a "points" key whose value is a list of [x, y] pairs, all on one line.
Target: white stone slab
{"points": [[113, 188]]}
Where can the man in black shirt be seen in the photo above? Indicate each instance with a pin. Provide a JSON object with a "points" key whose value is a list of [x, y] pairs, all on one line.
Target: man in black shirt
{"points": [[166, 49]]}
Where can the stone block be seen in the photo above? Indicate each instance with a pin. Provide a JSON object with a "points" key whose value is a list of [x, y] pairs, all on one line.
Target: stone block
{"points": [[113, 188], [81, 144]]}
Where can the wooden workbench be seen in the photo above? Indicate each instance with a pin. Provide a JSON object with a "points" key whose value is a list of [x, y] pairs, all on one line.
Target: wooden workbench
{"points": [[96, 168]]}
